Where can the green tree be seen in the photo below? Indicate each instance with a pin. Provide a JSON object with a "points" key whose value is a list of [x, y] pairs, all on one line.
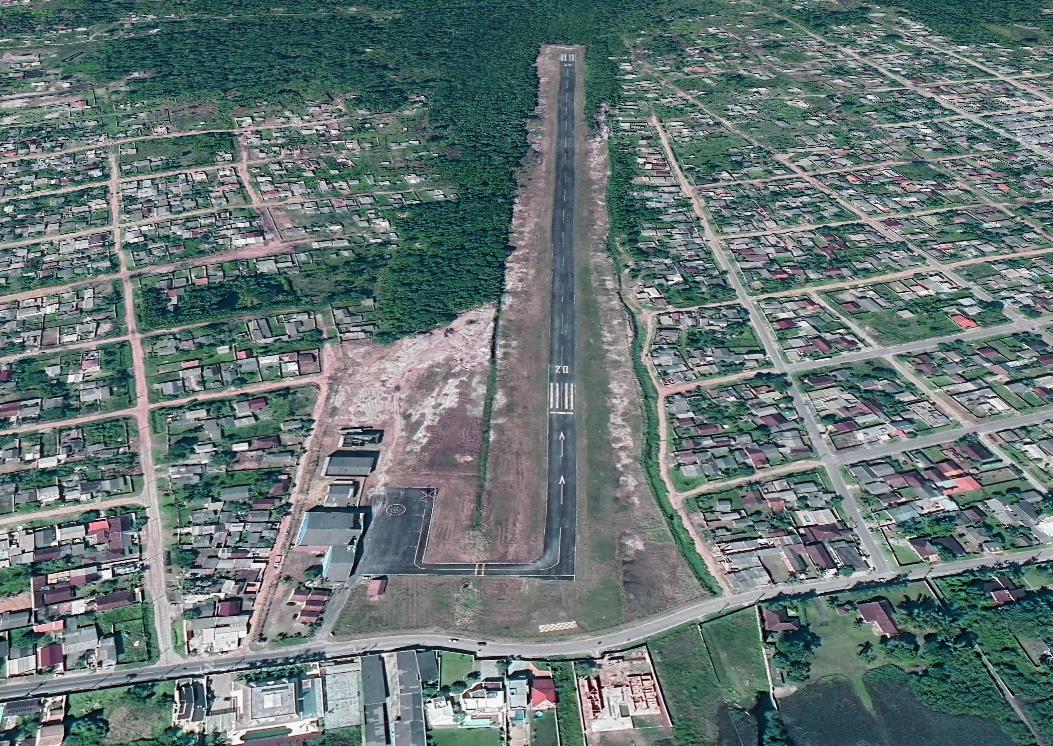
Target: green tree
{"points": [[88, 730], [793, 652]]}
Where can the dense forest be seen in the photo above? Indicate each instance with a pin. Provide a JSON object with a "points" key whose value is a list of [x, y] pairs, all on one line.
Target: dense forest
{"points": [[472, 59]]}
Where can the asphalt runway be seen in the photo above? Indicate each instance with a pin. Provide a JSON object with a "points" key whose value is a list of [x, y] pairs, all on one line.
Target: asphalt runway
{"points": [[397, 539]]}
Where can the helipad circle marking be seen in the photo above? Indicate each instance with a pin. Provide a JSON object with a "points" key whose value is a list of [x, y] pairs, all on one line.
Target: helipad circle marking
{"points": [[396, 509]]}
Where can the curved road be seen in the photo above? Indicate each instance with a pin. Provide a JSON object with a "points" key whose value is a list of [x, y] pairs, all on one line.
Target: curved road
{"points": [[589, 646]]}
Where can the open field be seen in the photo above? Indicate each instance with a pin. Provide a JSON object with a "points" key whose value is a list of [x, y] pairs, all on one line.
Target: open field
{"points": [[132, 713], [463, 737], [838, 655], [921, 669], [830, 712], [543, 730], [734, 643], [689, 684]]}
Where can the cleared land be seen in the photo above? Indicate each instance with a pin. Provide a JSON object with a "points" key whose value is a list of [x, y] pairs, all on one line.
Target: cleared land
{"points": [[627, 563], [426, 393], [513, 502], [454, 667]]}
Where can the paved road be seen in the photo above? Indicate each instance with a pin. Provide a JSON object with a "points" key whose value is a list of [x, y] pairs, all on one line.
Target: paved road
{"points": [[587, 646], [557, 557], [561, 516], [396, 542]]}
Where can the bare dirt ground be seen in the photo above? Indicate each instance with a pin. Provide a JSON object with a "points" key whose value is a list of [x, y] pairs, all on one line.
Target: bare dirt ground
{"points": [[426, 393], [514, 496], [627, 563], [17, 603], [281, 616]]}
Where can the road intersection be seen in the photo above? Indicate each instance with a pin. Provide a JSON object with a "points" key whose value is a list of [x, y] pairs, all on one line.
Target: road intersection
{"points": [[581, 646], [833, 462]]}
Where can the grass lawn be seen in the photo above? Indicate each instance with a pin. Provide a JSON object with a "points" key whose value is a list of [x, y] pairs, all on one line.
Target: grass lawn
{"points": [[181, 152], [543, 730], [454, 667], [689, 683], [349, 736], [133, 641], [735, 648], [568, 712], [133, 628], [893, 329], [842, 639], [904, 555], [465, 737], [839, 651], [1039, 576], [178, 637], [134, 713]]}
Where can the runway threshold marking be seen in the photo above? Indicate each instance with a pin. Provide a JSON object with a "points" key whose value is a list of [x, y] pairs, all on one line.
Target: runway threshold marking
{"points": [[561, 397]]}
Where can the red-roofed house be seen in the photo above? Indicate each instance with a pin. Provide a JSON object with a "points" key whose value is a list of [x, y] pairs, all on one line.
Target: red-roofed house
{"points": [[962, 485], [778, 620], [116, 600], [51, 656], [879, 614], [1003, 590], [543, 693], [229, 607], [48, 628]]}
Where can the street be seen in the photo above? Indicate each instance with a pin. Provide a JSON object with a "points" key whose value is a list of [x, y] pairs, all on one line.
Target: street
{"points": [[590, 646]]}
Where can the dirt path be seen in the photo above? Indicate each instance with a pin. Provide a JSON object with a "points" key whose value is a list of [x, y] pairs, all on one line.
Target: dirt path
{"points": [[798, 172], [76, 509], [106, 141], [299, 498], [91, 344], [255, 251], [154, 531], [257, 388], [53, 192], [757, 476]]}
